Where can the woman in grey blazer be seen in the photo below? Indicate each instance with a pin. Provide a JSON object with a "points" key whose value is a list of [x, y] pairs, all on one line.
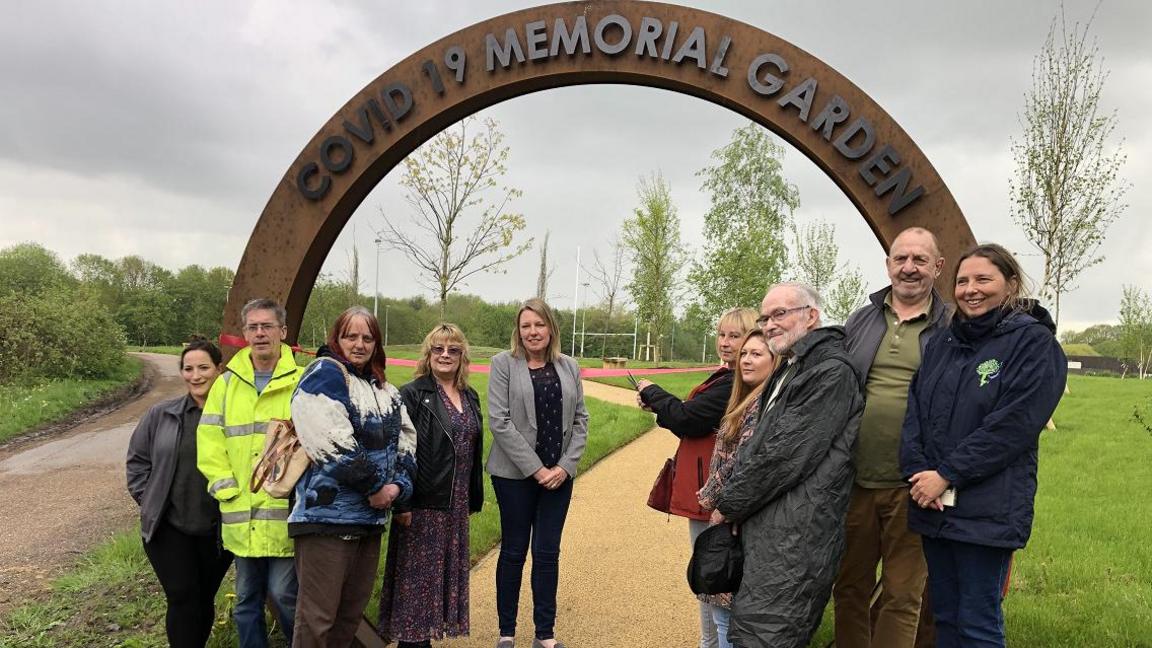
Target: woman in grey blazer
{"points": [[539, 428]]}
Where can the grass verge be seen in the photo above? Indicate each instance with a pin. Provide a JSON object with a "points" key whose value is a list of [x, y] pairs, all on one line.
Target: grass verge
{"points": [[25, 407], [112, 597]]}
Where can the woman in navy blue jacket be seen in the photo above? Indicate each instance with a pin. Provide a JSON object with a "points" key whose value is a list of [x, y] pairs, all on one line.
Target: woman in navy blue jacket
{"points": [[983, 393]]}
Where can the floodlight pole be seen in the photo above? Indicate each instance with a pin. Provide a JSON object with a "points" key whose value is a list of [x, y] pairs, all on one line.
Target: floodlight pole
{"points": [[576, 301], [376, 292]]}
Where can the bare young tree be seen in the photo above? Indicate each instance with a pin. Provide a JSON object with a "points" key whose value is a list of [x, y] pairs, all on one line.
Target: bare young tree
{"points": [[545, 270], [609, 274], [445, 180], [1068, 188]]}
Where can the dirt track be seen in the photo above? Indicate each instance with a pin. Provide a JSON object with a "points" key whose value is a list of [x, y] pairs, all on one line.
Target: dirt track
{"points": [[61, 496], [621, 564]]}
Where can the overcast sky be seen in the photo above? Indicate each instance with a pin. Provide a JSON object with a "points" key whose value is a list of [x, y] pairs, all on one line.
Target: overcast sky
{"points": [[161, 129]]}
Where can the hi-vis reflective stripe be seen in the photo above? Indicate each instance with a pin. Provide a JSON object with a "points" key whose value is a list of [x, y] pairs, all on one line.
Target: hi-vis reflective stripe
{"points": [[239, 430], [239, 517], [227, 482], [212, 419]]}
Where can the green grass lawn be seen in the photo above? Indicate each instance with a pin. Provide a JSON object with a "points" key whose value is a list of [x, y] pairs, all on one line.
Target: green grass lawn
{"points": [[676, 383], [112, 597], [27, 406]]}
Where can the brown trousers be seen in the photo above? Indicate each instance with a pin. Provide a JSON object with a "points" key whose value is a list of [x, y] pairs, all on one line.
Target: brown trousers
{"points": [[336, 578], [877, 533]]}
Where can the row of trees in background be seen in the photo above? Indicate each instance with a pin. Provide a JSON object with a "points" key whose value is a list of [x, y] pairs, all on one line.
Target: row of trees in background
{"points": [[459, 173], [61, 321], [746, 234]]}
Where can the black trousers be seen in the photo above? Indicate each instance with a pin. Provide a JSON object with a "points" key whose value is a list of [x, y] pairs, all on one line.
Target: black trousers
{"points": [[531, 517], [190, 569]]}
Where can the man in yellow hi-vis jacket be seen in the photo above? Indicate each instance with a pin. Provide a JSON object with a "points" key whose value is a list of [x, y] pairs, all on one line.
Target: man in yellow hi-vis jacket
{"points": [[257, 386]]}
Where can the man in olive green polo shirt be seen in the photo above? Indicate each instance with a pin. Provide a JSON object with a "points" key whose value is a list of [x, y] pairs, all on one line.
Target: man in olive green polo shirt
{"points": [[885, 341]]}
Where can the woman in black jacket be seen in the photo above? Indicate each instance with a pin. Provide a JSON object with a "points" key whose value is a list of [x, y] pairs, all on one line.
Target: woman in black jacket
{"points": [[425, 590], [694, 421], [976, 407], [179, 521]]}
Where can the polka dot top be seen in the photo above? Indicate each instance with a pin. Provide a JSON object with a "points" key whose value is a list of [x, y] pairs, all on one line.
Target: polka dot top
{"points": [[549, 414]]}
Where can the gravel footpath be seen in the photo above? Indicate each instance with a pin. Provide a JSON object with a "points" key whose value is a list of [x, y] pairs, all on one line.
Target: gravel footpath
{"points": [[621, 564]]}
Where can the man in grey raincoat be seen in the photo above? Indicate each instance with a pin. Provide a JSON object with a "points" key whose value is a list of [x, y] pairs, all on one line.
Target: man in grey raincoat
{"points": [[792, 482]]}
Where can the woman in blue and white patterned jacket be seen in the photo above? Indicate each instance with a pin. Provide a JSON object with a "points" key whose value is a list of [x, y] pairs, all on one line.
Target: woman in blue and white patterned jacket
{"points": [[353, 426]]}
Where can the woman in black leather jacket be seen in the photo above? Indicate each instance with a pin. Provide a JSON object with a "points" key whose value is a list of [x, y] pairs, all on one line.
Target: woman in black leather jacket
{"points": [[425, 591]]}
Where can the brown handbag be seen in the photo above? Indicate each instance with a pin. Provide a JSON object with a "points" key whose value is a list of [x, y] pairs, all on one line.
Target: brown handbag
{"points": [[282, 463], [660, 497]]}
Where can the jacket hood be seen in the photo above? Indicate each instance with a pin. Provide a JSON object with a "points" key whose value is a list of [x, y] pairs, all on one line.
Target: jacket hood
{"points": [[1030, 312], [816, 337], [1038, 313]]}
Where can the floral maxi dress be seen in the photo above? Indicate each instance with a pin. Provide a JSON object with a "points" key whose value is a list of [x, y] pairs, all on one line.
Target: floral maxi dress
{"points": [[425, 590]]}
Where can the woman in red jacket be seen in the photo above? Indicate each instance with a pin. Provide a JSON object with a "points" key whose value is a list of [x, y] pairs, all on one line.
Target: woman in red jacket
{"points": [[694, 420]]}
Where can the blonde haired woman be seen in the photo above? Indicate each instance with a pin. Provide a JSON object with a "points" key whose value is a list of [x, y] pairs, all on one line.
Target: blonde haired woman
{"points": [[539, 427], [754, 365], [694, 421], [425, 590]]}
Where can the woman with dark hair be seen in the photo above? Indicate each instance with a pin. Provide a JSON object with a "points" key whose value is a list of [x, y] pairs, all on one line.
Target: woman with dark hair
{"points": [[539, 428], [694, 421], [179, 521], [353, 425], [754, 364], [976, 407], [425, 590]]}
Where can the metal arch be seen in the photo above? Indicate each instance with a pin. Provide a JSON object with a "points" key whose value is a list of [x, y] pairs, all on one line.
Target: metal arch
{"points": [[422, 95]]}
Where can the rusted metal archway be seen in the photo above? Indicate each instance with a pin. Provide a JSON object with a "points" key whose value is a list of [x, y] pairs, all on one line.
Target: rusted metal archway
{"points": [[732, 64]]}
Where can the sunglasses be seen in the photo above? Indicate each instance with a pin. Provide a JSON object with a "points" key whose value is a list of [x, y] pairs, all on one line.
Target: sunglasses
{"points": [[453, 351]]}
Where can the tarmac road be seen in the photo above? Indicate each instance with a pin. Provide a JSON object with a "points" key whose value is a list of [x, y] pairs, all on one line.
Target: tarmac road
{"points": [[62, 495]]}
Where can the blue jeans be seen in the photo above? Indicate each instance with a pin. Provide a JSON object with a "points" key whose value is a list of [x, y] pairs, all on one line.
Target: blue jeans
{"points": [[965, 581], [721, 617], [256, 580], [709, 638], [529, 514]]}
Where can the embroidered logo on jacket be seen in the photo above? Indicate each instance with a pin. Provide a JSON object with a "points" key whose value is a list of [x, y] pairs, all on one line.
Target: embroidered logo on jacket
{"points": [[988, 370]]}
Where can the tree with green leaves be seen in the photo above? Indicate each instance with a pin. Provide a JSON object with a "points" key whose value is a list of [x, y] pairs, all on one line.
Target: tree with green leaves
{"points": [[816, 262], [30, 269], [1068, 188], [446, 180], [1136, 329], [744, 247], [652, 237]]}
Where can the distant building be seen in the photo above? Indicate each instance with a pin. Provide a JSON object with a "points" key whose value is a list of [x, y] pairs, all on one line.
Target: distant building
{"points": [[1089, 365]]}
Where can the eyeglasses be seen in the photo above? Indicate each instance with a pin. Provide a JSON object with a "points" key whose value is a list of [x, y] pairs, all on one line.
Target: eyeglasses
{"points": [[261, 326], [453, 351], [778, 315]]}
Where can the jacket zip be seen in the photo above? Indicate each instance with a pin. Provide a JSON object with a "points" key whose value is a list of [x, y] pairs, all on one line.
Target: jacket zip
{"points": [[452, 443]]}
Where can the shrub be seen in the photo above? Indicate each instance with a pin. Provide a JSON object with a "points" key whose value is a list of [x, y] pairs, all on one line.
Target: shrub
{"points": [[58, 333]]}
